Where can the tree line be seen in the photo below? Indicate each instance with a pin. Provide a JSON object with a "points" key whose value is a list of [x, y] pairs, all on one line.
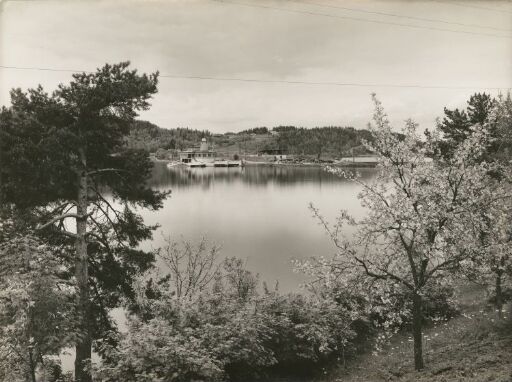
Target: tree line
{"points": [[331, 140], [148, 136]]}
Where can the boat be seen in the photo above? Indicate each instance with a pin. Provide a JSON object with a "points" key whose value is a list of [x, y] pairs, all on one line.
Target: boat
{"points": [[220, 163], [205, 157], [173, 164], [227, 163]]}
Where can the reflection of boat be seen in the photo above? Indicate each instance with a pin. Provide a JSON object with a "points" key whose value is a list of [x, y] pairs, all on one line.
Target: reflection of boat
{"points": [[251, 175], [204, 157]]}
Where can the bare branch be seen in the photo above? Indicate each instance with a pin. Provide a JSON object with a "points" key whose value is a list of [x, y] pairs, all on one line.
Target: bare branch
{"points": [[60, 218], [100, 171]]}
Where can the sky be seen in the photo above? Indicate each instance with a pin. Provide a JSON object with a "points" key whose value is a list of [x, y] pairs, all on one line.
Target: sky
{"points": [[282, 41]]}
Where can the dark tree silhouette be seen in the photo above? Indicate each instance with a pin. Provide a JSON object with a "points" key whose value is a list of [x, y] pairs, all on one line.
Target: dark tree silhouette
{"points": [[457, 124], [63, 158]]}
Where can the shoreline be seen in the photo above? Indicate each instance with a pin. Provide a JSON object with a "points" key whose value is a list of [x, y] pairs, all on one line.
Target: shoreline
{"points": [[293, 164], [313, 164]]}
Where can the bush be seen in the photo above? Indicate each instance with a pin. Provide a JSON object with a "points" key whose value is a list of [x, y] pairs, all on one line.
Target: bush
{"points": [[395, 311], [228, 331], [307, 331], [155, 351], [161, 154]]}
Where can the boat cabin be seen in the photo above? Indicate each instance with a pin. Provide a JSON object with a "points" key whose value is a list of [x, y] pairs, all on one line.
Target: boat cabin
{"points": [[204, 157], [201, 154]]}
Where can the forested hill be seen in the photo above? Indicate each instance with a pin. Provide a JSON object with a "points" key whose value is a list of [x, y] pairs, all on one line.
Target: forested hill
{"points": [[331, 141], [146, 135]]}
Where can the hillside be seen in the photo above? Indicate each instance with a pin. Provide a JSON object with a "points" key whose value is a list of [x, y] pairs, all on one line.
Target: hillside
{"points": [[473, 347], [148, 136], [320, 142]]}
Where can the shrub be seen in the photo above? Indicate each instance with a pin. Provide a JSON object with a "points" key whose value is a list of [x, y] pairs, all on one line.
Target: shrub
{"points": [[228, 331]]}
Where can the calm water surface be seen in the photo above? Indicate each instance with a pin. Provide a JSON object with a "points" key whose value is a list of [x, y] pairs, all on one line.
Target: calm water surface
{"points": [[257, 213]]}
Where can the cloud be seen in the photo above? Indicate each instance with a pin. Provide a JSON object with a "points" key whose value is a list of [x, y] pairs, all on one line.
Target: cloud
{"points": [[210, 38]]}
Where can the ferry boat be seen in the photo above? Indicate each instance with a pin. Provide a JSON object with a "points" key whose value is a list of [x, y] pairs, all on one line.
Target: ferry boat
{"points": [[205, 157]]}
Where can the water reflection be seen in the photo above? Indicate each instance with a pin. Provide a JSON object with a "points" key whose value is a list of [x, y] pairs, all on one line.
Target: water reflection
{"points": [[257, 213], [253, 175]]}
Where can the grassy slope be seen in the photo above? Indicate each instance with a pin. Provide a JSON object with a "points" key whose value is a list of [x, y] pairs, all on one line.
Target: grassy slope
{"points": [[473, 347]]}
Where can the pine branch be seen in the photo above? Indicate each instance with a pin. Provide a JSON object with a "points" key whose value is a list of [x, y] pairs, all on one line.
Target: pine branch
{"points": [[106, 170], [60, 218]]}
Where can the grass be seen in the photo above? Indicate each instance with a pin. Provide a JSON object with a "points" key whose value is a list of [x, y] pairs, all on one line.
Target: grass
{"points": [[474, 347]]}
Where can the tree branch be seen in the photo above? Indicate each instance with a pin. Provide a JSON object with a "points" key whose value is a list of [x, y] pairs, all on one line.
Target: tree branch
{"points": [[59, 218], [385, 276], [106, 170]]}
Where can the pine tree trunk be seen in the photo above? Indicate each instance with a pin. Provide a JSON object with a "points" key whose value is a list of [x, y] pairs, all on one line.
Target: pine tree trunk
{"points": [[417, 331], [32, 366], [84, 343], [499, 296]]}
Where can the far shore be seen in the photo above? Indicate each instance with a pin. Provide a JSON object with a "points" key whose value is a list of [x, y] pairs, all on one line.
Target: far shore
{"points": [[313, 164], [347, 164]]}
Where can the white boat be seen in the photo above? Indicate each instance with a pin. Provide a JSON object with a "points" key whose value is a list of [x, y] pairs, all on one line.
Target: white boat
{"points": [[205, 157]]}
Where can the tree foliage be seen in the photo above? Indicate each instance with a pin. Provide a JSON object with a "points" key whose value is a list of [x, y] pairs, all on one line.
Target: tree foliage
{"points": [[36, 308], [457, 125], [423, 215], [64, 160], [493, 267], [148, 136], [318, 141]]}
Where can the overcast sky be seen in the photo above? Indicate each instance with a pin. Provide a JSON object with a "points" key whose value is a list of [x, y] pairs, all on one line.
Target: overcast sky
{"points": [[305, 41]]}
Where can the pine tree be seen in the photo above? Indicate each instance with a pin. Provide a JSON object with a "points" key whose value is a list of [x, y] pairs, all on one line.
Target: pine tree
{"points": [[457, 125], [63, 159]]}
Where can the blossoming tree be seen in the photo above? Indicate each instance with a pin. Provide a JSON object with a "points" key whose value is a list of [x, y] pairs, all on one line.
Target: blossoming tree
{"points": [[423, 215]]}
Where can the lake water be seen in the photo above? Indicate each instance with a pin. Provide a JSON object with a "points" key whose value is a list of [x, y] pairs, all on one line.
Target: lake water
{"points": [[258, 213]]}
